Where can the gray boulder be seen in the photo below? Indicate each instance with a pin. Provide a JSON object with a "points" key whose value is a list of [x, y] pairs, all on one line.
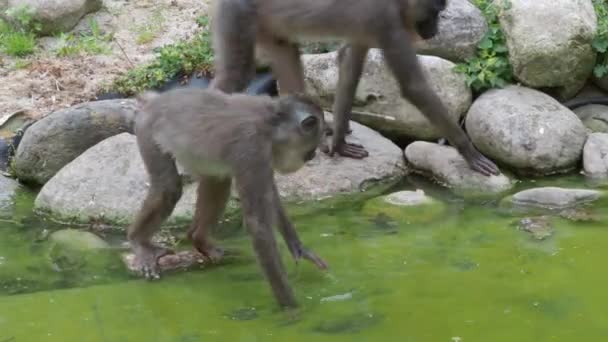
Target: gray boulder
{"points": [[461, 27], [54, 141], [595, 156], [53, 15], [526, 130], [77, 240], [549, 42], [108, 182], [378, 102], [594, 117], [553, 198], [447, 167], [8, 187]]}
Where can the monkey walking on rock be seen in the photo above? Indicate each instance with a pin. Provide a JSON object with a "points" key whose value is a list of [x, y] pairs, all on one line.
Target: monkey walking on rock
{"points": [[217, 136], [391, 25]]}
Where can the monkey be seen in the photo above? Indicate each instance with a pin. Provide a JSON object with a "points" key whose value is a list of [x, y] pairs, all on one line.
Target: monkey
{"points": [[392, 25], [215, 137]]}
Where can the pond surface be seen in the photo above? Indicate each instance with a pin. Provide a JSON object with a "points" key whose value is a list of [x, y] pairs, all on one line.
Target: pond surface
{"points": [[468, 276]]}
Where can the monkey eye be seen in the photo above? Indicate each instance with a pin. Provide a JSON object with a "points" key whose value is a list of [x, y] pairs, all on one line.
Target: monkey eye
{"points": [[309, 124]]}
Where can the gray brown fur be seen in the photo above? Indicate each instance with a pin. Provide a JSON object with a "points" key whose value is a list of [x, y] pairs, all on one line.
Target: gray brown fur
{"points": [[217, 136], [391, 25]]}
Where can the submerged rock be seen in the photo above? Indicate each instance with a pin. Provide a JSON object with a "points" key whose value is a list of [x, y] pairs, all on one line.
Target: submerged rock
{"points": [[446, 166], [526, 130], [77, 240], [552, 198], [549, 42], [108, 182], [539, 227], [461, 27], [595, 156], [378, 102], [405, 206], [57, 139]]}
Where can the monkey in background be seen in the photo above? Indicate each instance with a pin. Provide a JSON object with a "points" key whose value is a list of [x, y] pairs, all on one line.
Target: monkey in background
{"points": [[217, 136], [391, 25]]}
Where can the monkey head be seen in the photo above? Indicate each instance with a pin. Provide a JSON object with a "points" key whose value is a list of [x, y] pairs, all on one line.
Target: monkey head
{"points": [[425, 16], [297, 129]]}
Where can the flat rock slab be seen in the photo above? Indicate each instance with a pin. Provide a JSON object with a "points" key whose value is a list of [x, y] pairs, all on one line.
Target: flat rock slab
{"points": [[446, 166], [181, 260]]}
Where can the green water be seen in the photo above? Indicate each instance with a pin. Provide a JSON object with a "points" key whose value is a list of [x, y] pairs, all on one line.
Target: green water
{"points": [[469, 276]]}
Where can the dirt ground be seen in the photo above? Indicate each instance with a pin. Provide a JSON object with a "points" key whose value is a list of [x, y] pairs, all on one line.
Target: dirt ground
{"points": [[44, 82]]}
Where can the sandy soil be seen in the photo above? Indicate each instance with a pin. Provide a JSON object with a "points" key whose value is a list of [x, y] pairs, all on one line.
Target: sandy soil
{"points": [[44, 82]]}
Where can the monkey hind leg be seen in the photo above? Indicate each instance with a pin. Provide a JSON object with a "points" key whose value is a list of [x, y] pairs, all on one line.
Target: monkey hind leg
{"points": [[211, 201], [234, 37], [164, 193]]}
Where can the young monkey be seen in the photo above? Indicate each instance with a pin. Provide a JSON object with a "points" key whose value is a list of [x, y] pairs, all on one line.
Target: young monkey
{"points": [[216, 136]]}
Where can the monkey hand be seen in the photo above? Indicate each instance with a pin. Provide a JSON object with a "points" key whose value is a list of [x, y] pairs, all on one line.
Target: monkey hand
{"points": [[345, 149], [478, 162], [300, 252]]}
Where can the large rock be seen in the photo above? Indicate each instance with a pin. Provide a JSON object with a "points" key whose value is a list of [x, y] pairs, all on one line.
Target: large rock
{"points": [[461, 28], [526, 130], [109, 181], [8, 187], [378, 99], [446, 166], [51, 143], [594, 117], [595, 156], [549, 42], [553, 198], [55, 16]]}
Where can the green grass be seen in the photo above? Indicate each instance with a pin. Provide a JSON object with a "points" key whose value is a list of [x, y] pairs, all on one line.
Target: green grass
{"points": [[18, 37], [148, 31], [600, 41], [182, 58]]}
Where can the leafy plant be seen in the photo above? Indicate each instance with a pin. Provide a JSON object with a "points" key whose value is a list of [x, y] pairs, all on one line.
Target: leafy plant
{"points": [[94, 42], [172, 60], [490, 67], [600, 41], [18, 36]]}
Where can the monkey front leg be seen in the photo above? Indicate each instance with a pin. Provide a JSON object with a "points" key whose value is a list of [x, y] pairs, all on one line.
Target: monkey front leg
{"points": [[256, 194], [403, 62], [285, 63], [290, 235], [350, 59]]}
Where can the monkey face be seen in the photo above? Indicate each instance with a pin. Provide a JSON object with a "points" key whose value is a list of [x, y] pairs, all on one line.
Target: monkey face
{"points": [[427, 18], [297, 135]]}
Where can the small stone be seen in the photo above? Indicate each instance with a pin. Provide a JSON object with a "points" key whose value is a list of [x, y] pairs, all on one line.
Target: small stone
{"points": [[405, 206], [540, 227]]}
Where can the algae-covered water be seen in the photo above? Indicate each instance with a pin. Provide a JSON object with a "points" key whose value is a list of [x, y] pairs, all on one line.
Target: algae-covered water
{"points": [[470, 275]]}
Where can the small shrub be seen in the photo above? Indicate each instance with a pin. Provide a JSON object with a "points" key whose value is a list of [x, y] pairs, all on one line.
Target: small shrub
{"points": [[182, 58], [93, 43], [18, 44], [600, 41], [18, 36], [490, 67]]}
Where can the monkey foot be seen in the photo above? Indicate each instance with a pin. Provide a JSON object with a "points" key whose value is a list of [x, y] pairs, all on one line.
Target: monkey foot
{"points": [[300, 252], [345, 149], [478, 162], [146, 260], [209, 252]]}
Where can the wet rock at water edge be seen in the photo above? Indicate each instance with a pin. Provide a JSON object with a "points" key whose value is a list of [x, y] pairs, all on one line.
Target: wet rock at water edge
{"points": [[549, 42], [595, 156], [539, 227], [526, 130], [551, 198], [8, 188], [57, 139], [405, 207], [462, 26], [446, 166], [182, 260], [378, 102], [77, 239], [594, 117]]}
